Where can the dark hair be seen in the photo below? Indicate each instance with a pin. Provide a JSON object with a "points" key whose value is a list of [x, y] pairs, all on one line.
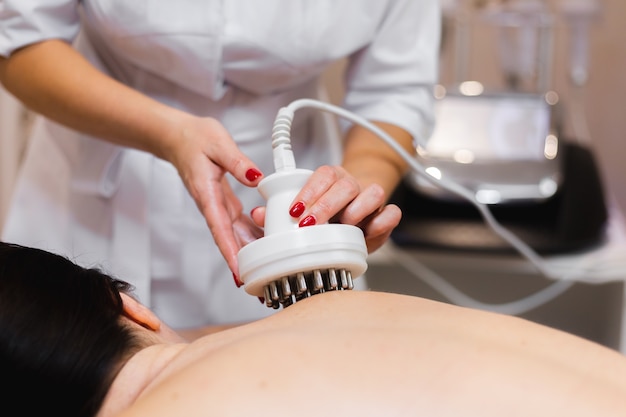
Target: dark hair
{"points": [[61, 338]]}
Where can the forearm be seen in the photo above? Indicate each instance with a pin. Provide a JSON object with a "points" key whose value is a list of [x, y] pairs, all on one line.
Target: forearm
{"points": [[369, 159], [53, 79]]}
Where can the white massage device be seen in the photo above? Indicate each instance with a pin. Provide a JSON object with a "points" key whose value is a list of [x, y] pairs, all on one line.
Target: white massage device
{"points": [[290, 262]]}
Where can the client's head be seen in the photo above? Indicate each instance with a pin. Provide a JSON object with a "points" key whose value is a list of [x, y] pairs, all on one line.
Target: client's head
{"points": [[62, 337]]}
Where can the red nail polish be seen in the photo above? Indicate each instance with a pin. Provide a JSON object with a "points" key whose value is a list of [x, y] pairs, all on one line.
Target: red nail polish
{"points": [[262, 300], [253, 173], [297, 209], [238, 283], [307, 221]]}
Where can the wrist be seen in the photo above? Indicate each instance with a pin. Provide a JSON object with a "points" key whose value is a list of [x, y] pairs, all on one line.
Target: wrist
{"points": [[168, 127], [374, 170]]}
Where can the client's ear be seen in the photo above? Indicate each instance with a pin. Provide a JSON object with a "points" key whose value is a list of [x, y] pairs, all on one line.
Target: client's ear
{"points": [[139, 313]]}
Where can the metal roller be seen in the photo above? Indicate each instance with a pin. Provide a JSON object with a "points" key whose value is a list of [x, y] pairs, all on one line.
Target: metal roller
{"points": [[279, 293]]}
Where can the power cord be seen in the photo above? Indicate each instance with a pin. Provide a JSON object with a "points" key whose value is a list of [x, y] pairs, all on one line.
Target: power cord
{"points": [[456, 296]]}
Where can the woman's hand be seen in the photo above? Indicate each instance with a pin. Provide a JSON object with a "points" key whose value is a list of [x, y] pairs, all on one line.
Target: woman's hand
{"points": [[203, 152], [43, 76], [332, 195]]}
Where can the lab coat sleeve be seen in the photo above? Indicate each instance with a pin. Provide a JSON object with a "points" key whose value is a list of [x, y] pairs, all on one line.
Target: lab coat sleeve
{"points": [[391, 80], [24, 22]]}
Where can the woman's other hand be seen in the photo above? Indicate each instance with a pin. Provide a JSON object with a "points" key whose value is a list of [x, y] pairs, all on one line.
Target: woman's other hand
{"points": [[356, 192]]}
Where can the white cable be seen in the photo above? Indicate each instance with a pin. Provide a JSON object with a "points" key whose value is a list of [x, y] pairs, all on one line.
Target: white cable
{"points": [[459, 298], [564, 280]]}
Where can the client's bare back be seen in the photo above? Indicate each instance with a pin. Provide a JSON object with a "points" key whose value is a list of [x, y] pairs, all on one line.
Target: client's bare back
{"points": [[365, 353]]}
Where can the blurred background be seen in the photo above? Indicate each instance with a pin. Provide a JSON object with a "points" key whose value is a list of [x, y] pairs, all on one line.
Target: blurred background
{"points": [[599, 97], [595, 108], [573, 48]]}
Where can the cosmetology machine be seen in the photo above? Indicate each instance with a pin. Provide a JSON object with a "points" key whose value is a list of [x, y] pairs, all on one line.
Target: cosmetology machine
{"points": [[507, 139]]}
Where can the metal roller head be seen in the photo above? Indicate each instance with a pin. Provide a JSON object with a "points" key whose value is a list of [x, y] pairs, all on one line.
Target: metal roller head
{"points": [[306, 284]]}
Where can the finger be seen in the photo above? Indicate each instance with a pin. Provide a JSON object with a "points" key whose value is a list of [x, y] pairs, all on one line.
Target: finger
{"points": [[227, 155], [215, 203], [378, 228], [326, 193], [258, 215], [233, 204], [375, 243], [320, 181], [368, 203], [218, 221], [246, 231]]}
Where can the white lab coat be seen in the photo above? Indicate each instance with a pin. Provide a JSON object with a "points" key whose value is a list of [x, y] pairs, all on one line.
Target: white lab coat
{"points": [[236, 60]]}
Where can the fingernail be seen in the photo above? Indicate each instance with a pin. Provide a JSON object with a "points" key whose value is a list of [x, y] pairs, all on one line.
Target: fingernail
{"points": [[253, 173], [307, 221], [262, 300], [238, 283], [297, 209], [252, 211]]}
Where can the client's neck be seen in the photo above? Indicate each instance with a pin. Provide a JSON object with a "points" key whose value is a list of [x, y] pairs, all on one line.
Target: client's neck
{"points": [[139, 373]]}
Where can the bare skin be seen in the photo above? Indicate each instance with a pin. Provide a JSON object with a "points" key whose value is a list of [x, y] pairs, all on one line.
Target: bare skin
{"points": [[366, 353]]}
